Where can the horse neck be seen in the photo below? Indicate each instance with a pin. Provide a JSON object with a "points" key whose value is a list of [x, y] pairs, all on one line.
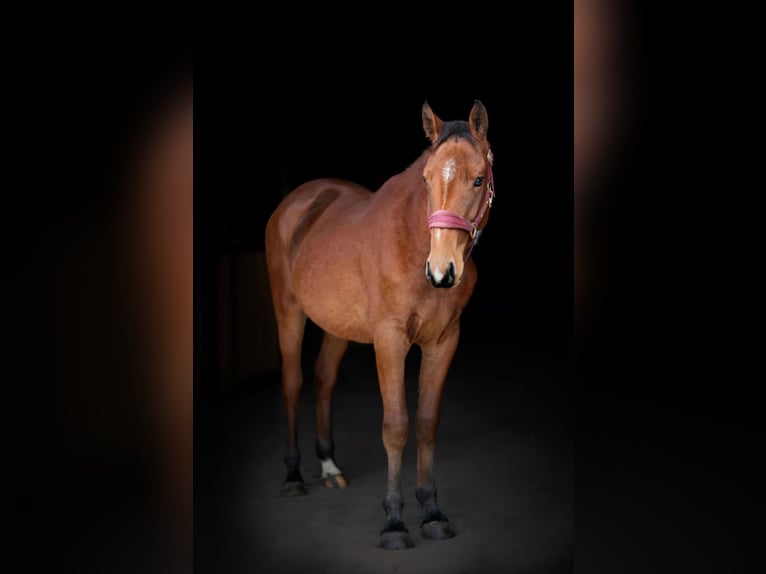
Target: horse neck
{"points": [[412, 205]]}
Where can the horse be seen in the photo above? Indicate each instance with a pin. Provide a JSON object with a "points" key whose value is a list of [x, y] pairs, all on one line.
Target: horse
{"points": [[391, 268]]}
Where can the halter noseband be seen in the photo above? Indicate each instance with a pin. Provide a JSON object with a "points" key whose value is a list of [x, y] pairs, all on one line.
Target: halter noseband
{"points": [[446, 219]]}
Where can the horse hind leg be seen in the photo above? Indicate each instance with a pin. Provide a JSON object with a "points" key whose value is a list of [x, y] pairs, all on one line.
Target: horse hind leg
{"points": [[291, 322], [325, 377]]}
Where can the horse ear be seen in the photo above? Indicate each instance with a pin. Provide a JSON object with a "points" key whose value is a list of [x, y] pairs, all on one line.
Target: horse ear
{"points": [[431, 123], [478, 120]]}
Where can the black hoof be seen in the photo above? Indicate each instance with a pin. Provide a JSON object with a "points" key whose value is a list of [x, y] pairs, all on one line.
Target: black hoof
{"points": [[395, 541], [395, 536], [437, 530], [294, 488]]}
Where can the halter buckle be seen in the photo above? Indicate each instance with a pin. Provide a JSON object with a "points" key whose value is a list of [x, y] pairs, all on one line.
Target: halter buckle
{"points": [[491, 195], [473, 231], [490, 157]]}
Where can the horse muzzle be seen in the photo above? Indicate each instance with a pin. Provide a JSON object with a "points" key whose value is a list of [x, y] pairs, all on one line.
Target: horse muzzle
{"points": [[439, 277]]}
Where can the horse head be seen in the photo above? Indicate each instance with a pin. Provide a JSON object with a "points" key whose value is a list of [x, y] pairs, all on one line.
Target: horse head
{"points": [[458, 177]]}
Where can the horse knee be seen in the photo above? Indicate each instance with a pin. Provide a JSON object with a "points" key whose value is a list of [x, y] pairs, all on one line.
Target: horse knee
{"points": [[291, 390], [395, 432], [425, 428], [324, 384]]}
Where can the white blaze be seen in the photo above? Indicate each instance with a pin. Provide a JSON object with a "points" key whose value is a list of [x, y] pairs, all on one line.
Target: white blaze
{"points": [[448, 171]]}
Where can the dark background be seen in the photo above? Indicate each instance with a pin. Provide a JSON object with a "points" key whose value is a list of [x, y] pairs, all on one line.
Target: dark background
{"points": [[669, 435], [80, 110], [669, 416]]}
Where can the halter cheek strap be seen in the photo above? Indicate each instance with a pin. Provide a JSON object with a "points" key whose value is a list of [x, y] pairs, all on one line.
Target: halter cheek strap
{"points": [[446, 219]]}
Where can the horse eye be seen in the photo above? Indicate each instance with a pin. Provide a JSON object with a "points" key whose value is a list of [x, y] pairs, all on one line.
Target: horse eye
{"points": [[478, 181]]}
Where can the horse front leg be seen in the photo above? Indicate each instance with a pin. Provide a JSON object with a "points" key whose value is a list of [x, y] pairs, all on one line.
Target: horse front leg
{"points": [[390, 352], [435, 362]]}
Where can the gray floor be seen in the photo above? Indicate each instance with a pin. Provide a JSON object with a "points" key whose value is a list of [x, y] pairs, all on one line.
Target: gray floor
{"points": [[504, 469]]}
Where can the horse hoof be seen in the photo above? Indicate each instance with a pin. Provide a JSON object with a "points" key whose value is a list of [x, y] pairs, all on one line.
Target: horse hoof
{"points": [[437, 530], [294, 488], [336, 481], [396, 540]]}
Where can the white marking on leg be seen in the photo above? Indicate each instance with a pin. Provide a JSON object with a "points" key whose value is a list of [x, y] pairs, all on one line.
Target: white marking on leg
{"points": [[329, 468]]}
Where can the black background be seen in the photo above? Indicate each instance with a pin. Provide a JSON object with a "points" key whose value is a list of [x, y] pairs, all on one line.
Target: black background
{"points": [[669, 435], [669, 422], [82, 490]]}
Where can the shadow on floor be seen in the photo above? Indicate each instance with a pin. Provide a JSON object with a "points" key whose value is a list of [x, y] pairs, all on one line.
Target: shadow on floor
{"points": [[504, 469]]}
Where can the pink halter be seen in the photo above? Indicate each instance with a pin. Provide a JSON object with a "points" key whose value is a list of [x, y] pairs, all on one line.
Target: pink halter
{"points": [[445, 219]]}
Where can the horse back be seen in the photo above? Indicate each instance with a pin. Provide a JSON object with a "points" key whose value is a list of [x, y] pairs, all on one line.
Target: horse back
{"points": [[314, 205]]}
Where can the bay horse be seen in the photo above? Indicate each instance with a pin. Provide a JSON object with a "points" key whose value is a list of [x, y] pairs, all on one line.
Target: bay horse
{"points": [[391, 268]]}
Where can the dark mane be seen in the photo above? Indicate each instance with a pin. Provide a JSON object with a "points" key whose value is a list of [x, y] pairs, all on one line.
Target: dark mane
{"points": [[457, 128]]}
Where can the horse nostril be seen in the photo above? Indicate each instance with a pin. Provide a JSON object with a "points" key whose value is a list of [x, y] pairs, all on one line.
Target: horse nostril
{"points": [[428, 269], [449, 279]]}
